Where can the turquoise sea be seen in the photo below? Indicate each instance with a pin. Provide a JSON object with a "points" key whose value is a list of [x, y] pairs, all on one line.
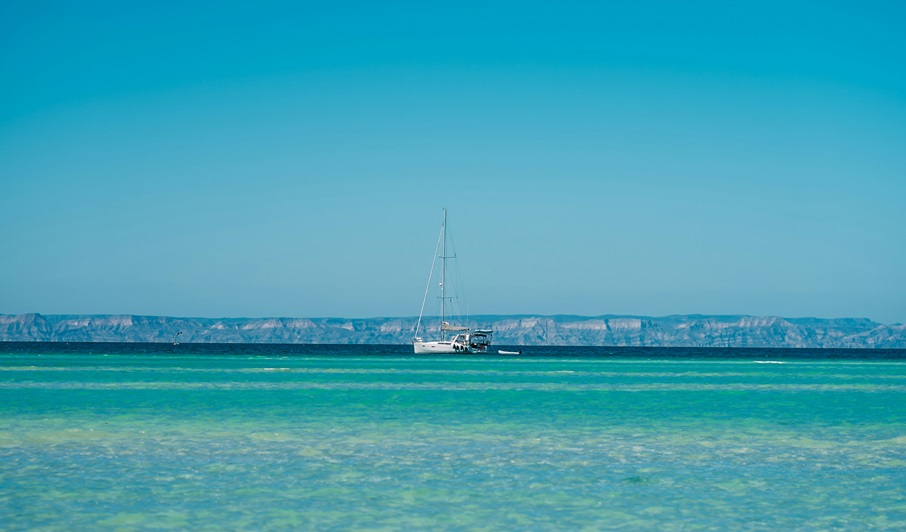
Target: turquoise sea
{"points": [[136, 436]]}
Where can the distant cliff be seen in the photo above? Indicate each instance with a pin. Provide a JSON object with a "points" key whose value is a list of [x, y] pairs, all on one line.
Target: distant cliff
{"points": [[668, 331]]}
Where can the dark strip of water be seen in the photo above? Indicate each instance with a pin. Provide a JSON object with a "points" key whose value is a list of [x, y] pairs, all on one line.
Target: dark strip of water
{"points": [[334, 350]]}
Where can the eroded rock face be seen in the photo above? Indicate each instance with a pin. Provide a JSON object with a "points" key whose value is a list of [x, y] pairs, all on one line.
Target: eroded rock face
{"points": [[667, 331]]}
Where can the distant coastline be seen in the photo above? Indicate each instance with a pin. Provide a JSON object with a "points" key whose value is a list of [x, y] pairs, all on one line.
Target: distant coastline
{"points": [[561, 330]]}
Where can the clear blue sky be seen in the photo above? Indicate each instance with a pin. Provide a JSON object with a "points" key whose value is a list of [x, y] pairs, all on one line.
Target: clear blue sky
{"points": [[292, 159]]}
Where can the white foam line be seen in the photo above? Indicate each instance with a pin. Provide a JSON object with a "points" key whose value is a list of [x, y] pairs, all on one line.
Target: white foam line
{"points": [[564, 374], [466, 386]]}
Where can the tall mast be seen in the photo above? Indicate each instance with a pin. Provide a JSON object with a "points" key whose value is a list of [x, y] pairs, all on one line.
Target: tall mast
{"points": [[443, 279]]}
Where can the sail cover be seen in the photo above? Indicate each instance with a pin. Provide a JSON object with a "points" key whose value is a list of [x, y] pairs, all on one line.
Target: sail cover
{"points": [[447, 327]]}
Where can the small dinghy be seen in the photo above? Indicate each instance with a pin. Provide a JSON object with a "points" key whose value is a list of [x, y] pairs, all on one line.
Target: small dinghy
{"points": [[502, 352]]}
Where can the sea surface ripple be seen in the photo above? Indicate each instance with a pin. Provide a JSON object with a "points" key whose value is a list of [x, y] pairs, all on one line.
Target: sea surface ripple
{"points": [[339, 437]]}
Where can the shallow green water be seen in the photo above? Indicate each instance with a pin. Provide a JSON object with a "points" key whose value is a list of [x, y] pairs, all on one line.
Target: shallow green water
{"points": [[353, 441]]}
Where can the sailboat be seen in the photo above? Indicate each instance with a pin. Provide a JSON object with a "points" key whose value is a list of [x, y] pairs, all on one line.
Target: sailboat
{"points": [[453, 338]]}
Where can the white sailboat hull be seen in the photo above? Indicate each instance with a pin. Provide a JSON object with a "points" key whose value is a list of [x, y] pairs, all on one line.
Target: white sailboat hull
{"points": [[445, 348], [439, 348]]}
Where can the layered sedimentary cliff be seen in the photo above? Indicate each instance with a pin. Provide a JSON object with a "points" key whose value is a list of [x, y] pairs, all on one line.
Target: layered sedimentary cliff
{"points": [[668, 331]]}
